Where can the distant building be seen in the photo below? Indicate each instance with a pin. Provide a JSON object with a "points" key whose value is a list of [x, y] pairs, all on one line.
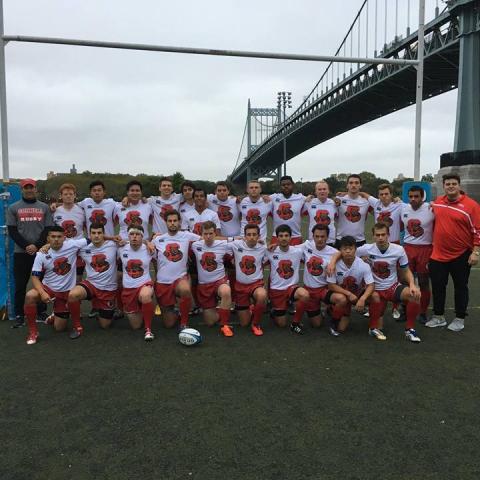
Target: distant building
{"points": [[51, 173], [400, 178]]}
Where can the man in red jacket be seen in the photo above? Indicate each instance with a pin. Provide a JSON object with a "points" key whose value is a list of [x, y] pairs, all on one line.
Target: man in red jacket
{"points": [[456, 247]]}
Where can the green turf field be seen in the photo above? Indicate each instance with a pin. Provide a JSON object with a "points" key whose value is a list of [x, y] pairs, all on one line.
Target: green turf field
{"points": [[110, 406]]}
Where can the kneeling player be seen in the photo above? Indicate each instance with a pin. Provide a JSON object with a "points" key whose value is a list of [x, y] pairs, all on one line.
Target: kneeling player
{"points": [[57, 266], [284, 275], [249, 286], [100, 285], [212, 279], [384, 257], [137, 292], [352, 280], [316, 256], [173, 281]]}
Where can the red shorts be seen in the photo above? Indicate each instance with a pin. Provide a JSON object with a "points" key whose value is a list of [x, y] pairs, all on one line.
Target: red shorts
{"points": [[130, 298], [207, 293], [101, 299], [165, 292], [418, 257], [294, 241], [279, 298], [391, 294], [60, 304], [244, 292], [317, 295]]}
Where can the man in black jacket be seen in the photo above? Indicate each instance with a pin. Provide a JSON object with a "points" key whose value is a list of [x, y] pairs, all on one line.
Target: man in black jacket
{"points": [[28, 221]]}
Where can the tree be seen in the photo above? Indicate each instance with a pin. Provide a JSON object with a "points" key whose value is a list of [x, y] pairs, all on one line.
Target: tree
{"points": [[177, 180], [428, 177]]}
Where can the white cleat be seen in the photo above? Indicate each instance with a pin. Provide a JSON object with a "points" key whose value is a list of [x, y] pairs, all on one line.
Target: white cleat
{"points": [[457, 325], [396, 313], [412, 336], [436, 321], [377, 333], [148, 335]]}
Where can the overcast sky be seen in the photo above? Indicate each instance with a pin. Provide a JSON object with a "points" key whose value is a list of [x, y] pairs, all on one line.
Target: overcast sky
{"points": [[146, 112]]}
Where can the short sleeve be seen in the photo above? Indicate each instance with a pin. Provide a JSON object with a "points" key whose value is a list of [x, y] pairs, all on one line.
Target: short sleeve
{"points": [[362, 251], [372, 201], [38, 263]]}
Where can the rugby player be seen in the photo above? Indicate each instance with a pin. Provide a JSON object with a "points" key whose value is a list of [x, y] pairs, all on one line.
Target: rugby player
{"points": [[100, 284], [167, 200], [284, 276], [226, 207], [254, 210], [57, 266], [172, 281], [196, 216], [250, 292], [137, 291], [213, 282]]}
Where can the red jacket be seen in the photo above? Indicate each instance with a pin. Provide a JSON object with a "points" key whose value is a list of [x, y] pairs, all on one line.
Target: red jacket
{"points": [[457, 227]]}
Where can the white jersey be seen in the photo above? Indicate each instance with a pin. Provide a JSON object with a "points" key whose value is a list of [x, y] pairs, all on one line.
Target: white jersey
{"points": [[389, 215], [72, 221], [184, 209], [353, 278], [418, 224], [99, 213], [135, 266], [59, 266], [255, 213], [248, 261], [228, 214], [321, 213], [160, 206], [384, 265], [172, 255], [193, 220], [314, 275], [284, 267], [133, 216], [352, 214], [210, 260], [288, 211], [101, 265]]}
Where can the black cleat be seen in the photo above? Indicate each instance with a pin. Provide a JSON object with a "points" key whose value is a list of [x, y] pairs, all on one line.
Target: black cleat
{"points": [[297, 328]]}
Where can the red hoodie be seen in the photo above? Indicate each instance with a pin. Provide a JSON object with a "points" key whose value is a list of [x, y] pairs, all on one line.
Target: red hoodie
{"points": [[457, 227]]}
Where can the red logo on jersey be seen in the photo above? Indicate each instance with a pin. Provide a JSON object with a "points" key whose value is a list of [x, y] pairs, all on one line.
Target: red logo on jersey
{"points": [[98, 216], [381, 269], [386, 218], [314, 266], [322, 217], [253, 216], [247, 265], [353, 213], [69, 228], [285, 269], [164, 210], [61, 266], [414, 228], [285, 211], [134, 268], [224, 213], [99, 263], [350, 284], [197, 228], [133, 219], [173, 253], [208, 261]]}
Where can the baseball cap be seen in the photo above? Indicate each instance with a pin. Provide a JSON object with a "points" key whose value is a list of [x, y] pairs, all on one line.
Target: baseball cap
{"points": [[28, 181]]}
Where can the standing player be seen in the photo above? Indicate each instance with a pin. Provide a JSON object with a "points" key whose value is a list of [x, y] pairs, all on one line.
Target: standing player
{"points": [[384, 257], [100, 285], [187, 188], [137, 292], [353, 281], [249, 257], [417, 220], [195, 217], [172, 281], [227, 210], [284, 276], [71, 218], [254, 210], [99, 209], [136, 214], [287, 209], [352, 212], [213, 282], [322, 211], [58, 269], [167, 200]]}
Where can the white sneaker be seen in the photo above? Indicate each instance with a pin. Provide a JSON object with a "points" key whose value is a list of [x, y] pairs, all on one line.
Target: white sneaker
{"points": [[377, 333], [148, 335], [411, 335], [457, 325], [436, 321], [395, 313]]}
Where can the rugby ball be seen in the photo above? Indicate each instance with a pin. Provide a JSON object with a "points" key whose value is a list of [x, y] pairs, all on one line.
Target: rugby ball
{"points": [[189, 337]]}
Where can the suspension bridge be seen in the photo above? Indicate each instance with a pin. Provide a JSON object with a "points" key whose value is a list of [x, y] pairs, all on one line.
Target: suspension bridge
{"points": [[348, 95]]}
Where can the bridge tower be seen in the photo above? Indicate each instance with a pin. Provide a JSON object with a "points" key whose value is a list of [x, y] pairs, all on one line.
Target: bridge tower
{"points": [[465, 159]]}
